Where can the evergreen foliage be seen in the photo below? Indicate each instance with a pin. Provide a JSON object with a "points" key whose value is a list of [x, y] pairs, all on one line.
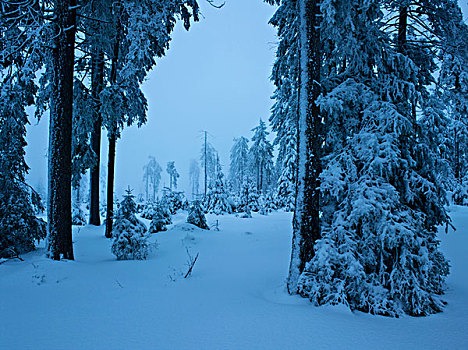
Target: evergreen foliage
{"points": [[21, 56], [382, 193], [152, 177], [197, 216], [129, 233], [239, 167], [261, 157], [217, 199], [158, 222]]}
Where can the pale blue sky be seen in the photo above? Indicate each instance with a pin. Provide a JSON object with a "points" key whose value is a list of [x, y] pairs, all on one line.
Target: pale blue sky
{"points": [[215, 77]]}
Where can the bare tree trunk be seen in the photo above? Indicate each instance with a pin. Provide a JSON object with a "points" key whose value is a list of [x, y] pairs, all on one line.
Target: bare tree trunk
{"points": [[206, 171], [402, 28], [59, 238], [112, 132], [97, 81], [306, 222], [147, 188], [110, 185], [458, 171]]}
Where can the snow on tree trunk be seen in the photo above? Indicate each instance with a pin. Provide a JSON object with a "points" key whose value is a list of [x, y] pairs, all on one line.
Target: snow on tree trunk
{"points": [[97, 76], [59, 238], [306, 222]]}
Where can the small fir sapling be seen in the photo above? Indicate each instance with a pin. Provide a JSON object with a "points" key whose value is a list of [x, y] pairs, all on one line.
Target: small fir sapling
{"points": [[78, 215], [217, 200], [158, 222], [148, 211], [196, 215], [130, 241]]}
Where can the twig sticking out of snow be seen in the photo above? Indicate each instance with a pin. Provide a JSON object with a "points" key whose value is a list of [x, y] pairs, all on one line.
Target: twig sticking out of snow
{"points": [[191, 262], [118, 283]]}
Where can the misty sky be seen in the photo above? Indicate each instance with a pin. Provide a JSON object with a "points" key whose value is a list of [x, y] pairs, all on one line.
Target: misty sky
{"points": [[215, 77]]}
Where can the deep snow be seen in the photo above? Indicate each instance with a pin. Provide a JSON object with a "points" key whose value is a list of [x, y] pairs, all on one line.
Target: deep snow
{"points": [[235, 298]]}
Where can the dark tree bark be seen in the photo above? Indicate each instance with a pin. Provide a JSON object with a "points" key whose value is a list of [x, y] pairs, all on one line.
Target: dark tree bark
{"points": [[306, 222], [206, 171], [59, 238], [110, 185], [97, 82], [457, 171], [402, 29], [112, 130]]}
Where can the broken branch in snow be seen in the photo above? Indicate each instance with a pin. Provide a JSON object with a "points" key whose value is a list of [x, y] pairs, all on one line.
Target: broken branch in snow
{"points": [[16, 256], [118, 283], [191, 262]]}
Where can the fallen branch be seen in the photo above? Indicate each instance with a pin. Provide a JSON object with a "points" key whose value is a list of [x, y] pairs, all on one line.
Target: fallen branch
{"points": [[191, 264], [118, 283], [11, 258]]}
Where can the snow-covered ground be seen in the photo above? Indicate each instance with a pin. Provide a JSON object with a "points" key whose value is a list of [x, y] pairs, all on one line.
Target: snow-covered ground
{"points": [[235, 298]]}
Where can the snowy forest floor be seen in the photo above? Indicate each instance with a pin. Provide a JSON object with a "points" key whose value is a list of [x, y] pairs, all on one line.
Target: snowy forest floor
{"points": [[235, 298]]}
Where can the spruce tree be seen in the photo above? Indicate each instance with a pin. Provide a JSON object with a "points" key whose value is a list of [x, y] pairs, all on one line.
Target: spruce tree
{"points": [[130, 241], [152, 177], [197, 216], [261, 157], [284, 115], [21, 57], [382, 198], [217, 199], [239, 167]]}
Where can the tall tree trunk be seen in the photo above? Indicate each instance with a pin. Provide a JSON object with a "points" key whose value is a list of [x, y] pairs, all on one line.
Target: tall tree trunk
{"points": [[110, 185], [59, 219], [306, 222], [97, 82], [147, 188], [402, 29], [206, 170], [457, 170], [78, 199], [112, 132]]}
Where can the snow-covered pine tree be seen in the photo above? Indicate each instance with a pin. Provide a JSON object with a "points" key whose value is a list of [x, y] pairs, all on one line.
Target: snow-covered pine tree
{"points": [[152, 177], [261, 157], [158, 221], [197, 216], [78, 215], [173, 200], [248, 198], [83, 157], [299, 25], [284, 113], [194, 178], [129, 233], [164, 209], [173, 175], [141, 32], [239, 167], [208, 156], [21, 56], [382, 201], [453, 81], [217, 199], [94, 20]]}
